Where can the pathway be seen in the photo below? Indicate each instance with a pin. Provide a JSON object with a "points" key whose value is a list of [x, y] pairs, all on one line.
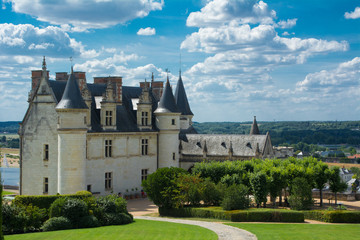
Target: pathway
{"points": [[224, 232]]}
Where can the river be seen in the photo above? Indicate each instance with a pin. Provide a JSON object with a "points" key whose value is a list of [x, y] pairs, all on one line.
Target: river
{"points": [[10, 176]]}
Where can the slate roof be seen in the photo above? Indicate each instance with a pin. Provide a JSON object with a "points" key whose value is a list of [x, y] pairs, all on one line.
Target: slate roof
{"points": [[125, 115], [254, 128], [167, 102], [219, 144], [71, 98], [181, 98]]}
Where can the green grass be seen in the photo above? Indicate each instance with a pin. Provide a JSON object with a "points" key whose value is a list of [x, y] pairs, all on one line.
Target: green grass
{"points": [[6, 193], [141, 229], [265, 231]]}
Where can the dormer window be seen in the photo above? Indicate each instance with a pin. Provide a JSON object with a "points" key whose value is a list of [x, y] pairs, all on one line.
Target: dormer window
{"points": [[172, 121], [144, 118], [108, 118]]}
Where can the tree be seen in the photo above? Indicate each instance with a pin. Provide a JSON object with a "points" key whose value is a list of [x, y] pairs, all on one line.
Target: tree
{"points": [[276, 182], [259, 187], [300, 194], [236, 197], [1, 189], [321, 176], [335, 182], [162, 188]]}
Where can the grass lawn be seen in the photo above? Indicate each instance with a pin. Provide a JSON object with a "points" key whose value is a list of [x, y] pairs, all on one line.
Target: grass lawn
{"points": [[141, 229], [279, 231], [6, 193]]}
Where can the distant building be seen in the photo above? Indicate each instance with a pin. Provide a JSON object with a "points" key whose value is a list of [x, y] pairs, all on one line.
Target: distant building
{"points": [[106, 138], [283, 152]]}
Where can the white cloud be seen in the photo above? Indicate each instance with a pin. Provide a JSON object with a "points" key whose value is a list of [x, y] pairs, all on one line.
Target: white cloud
{"points": [[353, 15], [85, 14], [146, 31], [287, 24], [217, 12]]}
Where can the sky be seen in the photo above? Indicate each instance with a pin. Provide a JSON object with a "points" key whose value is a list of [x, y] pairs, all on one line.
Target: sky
{"points": [[277, 60]]}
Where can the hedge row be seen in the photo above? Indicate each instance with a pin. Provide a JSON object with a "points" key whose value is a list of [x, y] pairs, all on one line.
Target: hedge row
{"points": [[45, 201], [258, 215], [333, 216]]}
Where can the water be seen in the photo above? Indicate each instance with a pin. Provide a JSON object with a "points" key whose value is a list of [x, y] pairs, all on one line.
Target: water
{"points": [[10, 176]]}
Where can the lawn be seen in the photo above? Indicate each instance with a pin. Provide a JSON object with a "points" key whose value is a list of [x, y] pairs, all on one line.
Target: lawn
{"points": [[141, 229], [6, 193], [280, 231]]}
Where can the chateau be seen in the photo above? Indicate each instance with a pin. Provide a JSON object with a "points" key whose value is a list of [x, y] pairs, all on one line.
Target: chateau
{"points": [[106, 138]]}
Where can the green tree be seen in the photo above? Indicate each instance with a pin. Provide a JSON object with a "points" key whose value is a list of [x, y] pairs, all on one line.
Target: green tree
{"points": [[300, 194], [236, 197], [259, 187], [162, 188], [335, 182], [321, 177]]}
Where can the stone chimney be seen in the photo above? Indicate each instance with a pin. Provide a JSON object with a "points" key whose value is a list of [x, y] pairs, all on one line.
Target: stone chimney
{"points": [[35, 78], [117, 85], [62, 76]]}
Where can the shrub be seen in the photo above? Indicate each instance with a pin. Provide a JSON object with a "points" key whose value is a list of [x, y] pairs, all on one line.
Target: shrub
{"points": [[14, 221], [117, 219], [1, 231], [161, 186], [56, 207], [74, 210], [46, 201], [342, 216], [88, 222], [300, 194], [35, 217], [211, 195], [235, 198], [57, 223], [110, 204]]}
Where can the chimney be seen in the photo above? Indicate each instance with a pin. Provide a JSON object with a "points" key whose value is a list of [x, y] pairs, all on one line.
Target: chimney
{"points": [[61, 76], [143, 84], [81, 79], [117, 84], [157, 89], [35, 78]]}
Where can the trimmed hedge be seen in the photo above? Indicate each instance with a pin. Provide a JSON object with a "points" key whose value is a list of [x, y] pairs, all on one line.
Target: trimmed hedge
{"points": [[333, 216], [46, 201], [253, 215]]}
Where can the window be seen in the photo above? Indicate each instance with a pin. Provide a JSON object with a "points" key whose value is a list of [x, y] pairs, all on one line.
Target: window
{"points": [[173, 156], [144, 118], [108, 118], [84, 120], [144, 146], [108, 148], [46, 152], [108, 180], [144, 174], [88, 188], [172, 121], [46, 185]]}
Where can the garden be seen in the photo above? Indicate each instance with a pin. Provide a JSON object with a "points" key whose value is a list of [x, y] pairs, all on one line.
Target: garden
{"points": [[240, 191]]}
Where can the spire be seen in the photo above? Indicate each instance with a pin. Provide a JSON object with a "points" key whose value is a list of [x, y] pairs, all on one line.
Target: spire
{"points": [[254, 128], [167, 101], [181, 98], [72, 98], [44, 65]]}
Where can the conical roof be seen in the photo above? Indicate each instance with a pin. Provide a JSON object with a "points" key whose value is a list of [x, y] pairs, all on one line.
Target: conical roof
{"points": [[72, 98], [167, 102], [181, 98], [254, 128]]}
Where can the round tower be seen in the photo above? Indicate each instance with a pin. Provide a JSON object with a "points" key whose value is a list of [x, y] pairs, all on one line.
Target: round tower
{"points": [[72, 112], [183, 105], [168, 122]]}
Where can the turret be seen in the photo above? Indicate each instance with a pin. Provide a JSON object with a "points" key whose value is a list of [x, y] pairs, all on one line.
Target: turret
{"points": [[168, 122], [254, 128], [72, 128], [144, 109], [183, 105]]}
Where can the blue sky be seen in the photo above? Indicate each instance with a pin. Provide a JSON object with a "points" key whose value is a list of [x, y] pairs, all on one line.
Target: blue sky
{"points": [[278, 60]]}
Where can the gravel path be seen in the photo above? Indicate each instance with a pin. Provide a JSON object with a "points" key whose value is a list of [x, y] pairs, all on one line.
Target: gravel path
{"points": [[224, 232]]}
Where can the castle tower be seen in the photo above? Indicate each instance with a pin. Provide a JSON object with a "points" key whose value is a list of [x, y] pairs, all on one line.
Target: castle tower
{"points": [[168, 122], [144, 107], [72, 129], [183, 105], [254, 128]]}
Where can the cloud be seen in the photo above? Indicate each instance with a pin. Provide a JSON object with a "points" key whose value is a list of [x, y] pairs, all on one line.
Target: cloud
{"points": [[217, 11], [146, 31], [86, 14], [287, 24], [353, 15]]}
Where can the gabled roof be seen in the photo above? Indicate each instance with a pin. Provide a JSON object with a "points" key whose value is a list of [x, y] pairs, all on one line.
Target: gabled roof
{"points": [[219, 144], [72, 99], [167, 102], [181, 98], [254, 128]]}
